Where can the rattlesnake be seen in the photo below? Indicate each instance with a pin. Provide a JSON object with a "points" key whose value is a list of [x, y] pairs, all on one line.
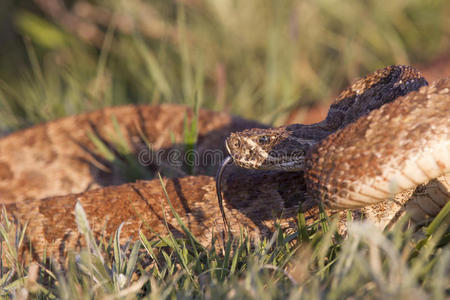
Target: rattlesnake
{"points": [[368, 148], [255, 200]]}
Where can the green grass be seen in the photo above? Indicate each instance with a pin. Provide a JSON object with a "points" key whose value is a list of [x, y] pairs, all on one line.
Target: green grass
{"points": [[368, 263], [254, 58]]}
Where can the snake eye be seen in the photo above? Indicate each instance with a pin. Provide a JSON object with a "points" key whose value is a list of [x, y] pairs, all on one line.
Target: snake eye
{"points": [[264, 139], [237, 143]]}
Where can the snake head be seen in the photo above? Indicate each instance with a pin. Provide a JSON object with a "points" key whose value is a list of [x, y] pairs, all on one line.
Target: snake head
{"points": [[268, 149]]}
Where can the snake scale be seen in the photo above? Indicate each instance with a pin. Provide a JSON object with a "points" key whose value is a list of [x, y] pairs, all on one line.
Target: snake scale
{"points": [[368, 148], [47, 169]]}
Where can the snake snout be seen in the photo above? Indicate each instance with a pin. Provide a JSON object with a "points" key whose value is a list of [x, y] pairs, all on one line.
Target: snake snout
{"points": [[233, 144]]}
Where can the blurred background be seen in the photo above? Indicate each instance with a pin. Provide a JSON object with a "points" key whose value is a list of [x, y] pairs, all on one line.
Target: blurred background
{"points": [[261, 59]]}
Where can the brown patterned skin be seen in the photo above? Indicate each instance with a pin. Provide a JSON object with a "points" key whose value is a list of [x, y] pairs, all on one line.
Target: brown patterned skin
{"points": [[371, 92], [368, 148], [284, 148], [274, 196], [273, 199], [59, 157], [399, 146]]}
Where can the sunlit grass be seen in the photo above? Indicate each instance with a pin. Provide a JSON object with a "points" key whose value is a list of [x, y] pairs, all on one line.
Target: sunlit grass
{"points": [[254, 58], [367, 263]]}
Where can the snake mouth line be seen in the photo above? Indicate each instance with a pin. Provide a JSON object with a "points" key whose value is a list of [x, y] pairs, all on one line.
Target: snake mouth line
{"points": [[288, 163]]}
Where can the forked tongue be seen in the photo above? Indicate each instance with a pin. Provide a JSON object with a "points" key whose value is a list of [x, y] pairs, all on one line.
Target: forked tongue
{"points": [[227, 161]]}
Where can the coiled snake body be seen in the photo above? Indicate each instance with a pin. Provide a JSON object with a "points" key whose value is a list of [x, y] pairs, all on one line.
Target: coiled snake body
{"points": [[369, 147], [45, 170]]}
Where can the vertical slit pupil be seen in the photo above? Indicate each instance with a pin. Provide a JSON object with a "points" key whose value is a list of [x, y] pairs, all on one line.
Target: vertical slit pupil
{"points": [[264, 139]]}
